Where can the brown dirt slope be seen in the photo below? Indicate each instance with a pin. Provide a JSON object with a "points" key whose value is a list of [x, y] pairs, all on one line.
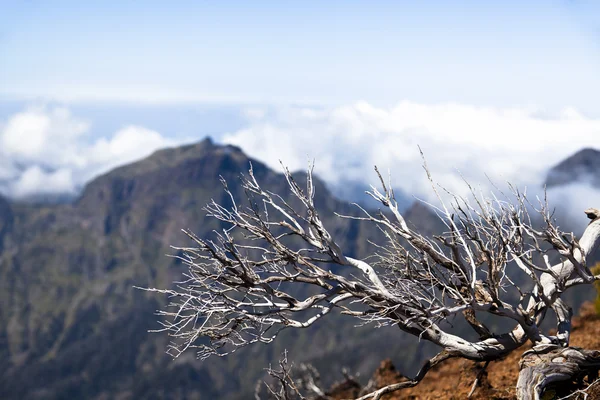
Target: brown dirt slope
{"points": [[454, 378]]}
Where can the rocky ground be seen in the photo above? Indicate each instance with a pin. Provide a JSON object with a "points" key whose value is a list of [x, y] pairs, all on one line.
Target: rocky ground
{"points": [[454, 378]]}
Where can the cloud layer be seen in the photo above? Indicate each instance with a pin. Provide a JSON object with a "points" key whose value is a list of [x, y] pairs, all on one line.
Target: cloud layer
{"points": [[516, 145], [46, 151]]}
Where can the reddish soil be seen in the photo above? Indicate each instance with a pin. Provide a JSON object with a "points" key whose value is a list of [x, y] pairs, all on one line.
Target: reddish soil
{"points": [[454, 378]]}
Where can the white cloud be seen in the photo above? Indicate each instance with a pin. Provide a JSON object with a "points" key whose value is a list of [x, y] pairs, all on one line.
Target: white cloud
{"points": [[46, 151], [129, 144], [35, 181], [43, 135], [573, 199], [517, 145]]}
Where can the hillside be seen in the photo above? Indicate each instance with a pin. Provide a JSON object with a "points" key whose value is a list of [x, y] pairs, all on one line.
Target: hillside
{"points": [[453, 379], [71, 324], [583, 166]]}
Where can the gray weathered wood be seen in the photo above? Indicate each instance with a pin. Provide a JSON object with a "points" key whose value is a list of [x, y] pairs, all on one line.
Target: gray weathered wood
{"points": [[549, 364]]}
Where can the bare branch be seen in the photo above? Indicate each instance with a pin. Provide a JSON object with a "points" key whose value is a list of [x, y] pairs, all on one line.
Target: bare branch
{"points": [[242, 285]]}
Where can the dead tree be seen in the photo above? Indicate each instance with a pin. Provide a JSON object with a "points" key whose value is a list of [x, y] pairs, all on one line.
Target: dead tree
{"points": [[237, 288]]}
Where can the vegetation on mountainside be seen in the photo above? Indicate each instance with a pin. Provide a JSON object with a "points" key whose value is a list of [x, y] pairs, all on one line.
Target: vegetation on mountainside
{"points": [[72, 326]]}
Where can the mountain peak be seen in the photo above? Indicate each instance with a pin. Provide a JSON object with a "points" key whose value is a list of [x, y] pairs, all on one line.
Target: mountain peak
{"points": [[583, 166], [170, 177], [169, 158]]}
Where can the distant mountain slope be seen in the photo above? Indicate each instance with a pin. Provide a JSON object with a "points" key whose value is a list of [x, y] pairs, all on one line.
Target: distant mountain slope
{"points": [[583, 166], [6, 220], [71, 324]]}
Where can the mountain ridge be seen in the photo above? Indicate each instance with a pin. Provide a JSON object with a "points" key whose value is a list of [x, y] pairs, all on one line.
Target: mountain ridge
{"points": [[71, 325]]}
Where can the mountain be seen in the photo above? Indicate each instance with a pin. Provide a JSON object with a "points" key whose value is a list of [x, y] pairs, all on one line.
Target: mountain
{"points": [[583, 166], [72, 326]]}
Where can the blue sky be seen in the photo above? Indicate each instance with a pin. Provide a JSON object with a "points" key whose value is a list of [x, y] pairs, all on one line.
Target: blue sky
{"points": [[506, 88], [501, 53]]}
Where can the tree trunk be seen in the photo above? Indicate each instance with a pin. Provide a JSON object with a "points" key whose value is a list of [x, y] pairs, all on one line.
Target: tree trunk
{"points": [[549, 364]]}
